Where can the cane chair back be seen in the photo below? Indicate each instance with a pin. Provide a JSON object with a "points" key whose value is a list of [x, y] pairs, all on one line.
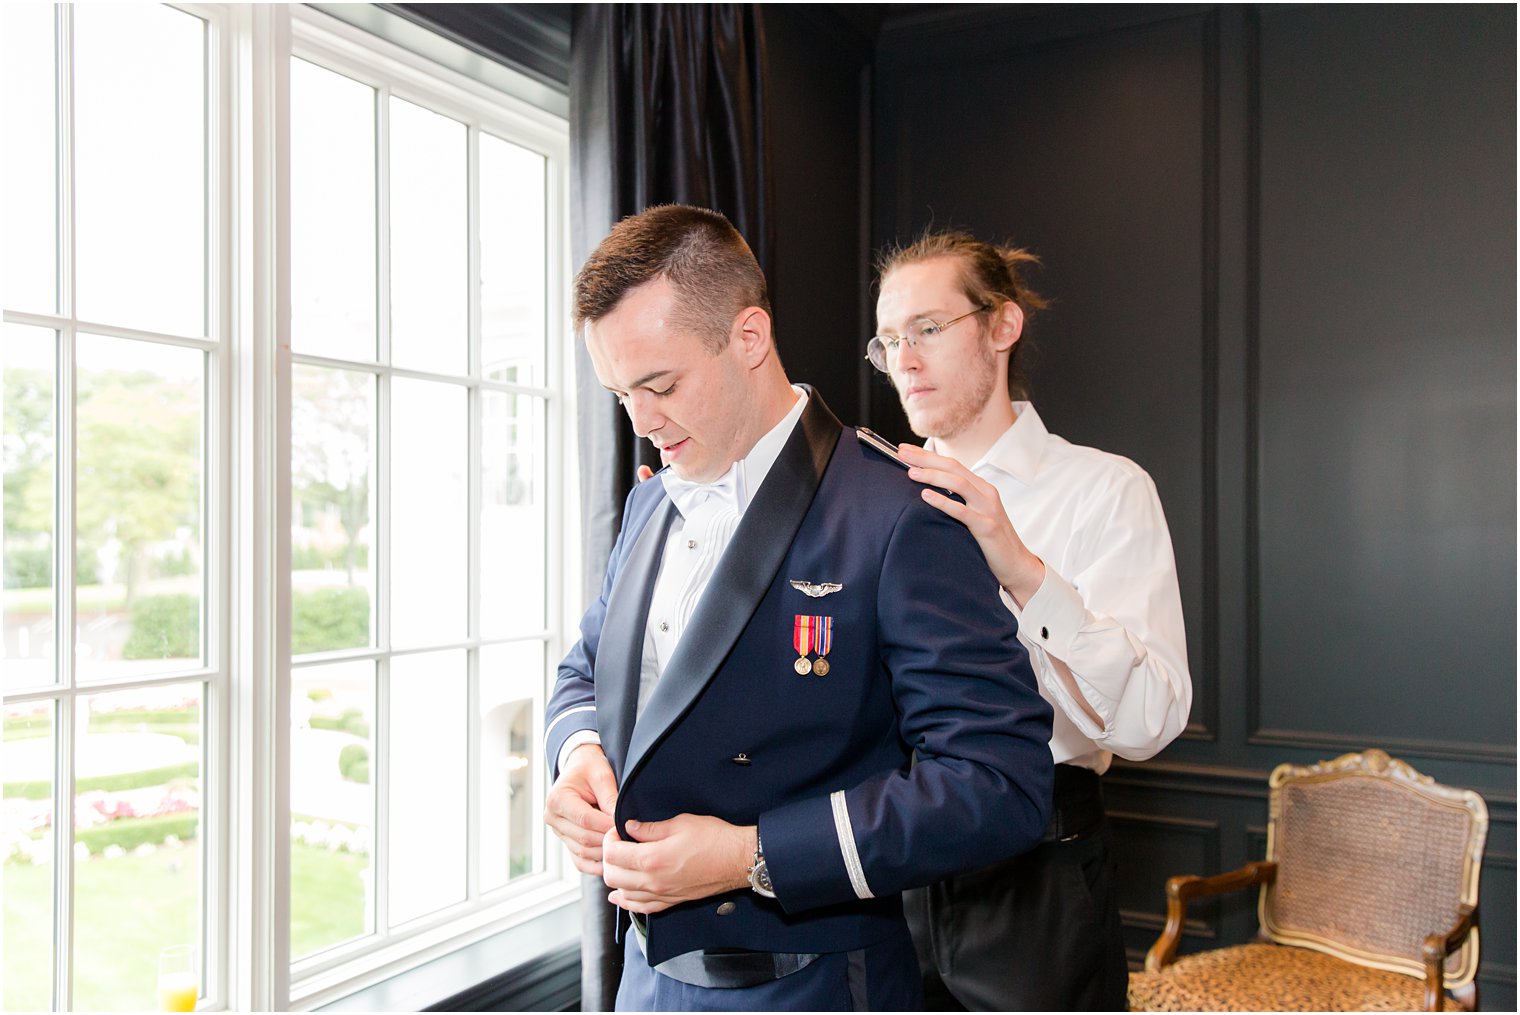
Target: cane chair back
{"points": [[1371, 857]]}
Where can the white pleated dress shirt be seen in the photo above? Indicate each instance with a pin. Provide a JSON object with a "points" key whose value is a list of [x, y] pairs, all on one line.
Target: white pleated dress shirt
{"points": [[707, 516], [1106, 623]]}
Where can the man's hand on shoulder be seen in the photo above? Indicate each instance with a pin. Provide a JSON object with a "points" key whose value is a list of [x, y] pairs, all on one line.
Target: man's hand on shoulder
{"points": [[579, 806], [689, 856], [1016, 568]]}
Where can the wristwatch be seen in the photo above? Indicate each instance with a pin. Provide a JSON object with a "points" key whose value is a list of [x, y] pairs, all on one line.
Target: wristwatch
{"points": [[759, 873]]}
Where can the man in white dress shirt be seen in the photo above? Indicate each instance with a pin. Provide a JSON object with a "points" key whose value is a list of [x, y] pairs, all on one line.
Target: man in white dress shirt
{"points": [[1078, 542]]}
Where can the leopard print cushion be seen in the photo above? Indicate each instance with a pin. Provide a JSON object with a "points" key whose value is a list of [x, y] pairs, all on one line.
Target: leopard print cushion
{"points": [[1264, 977]]}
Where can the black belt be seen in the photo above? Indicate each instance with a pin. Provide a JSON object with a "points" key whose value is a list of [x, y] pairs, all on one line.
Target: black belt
{"points": [[1077, 807], [726, 969]]}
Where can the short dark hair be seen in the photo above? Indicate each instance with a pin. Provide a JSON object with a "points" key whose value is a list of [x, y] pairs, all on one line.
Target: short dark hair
{"points": [[698, 251], [988, 274]]}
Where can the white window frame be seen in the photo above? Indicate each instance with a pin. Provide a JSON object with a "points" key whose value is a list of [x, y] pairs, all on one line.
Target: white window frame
{"points": [[246, 505], [216, 587], [392, 70]]}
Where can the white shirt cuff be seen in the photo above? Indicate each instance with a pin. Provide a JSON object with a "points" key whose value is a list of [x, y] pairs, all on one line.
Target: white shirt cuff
{"points": [[1049, 623], [1053, 615], [573, 741]]}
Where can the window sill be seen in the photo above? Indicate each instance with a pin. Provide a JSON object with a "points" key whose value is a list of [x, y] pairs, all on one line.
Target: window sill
{"points": [[529, 967]]}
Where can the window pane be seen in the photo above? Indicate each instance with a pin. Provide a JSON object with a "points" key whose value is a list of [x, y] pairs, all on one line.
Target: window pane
{"points": [[511, 822], [137, 805], [513, 517], [28, 174], [429, 512], [28, 765], [429, 241], [28, 364], [332, 804], [138, 549], [513, 234], [331, 450], [332, 214], [140, 167], [427, 783]]}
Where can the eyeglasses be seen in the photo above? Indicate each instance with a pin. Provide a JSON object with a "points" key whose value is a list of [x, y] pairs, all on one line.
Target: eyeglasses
{"points": [[922, 337]]}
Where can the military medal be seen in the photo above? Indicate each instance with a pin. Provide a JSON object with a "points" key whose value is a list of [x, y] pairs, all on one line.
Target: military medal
{"points": [[812, 634], [823, 640], [802, 641]]}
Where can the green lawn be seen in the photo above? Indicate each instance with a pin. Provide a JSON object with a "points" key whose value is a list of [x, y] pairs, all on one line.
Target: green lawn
{"points": [[130, 907], [326, 898]]}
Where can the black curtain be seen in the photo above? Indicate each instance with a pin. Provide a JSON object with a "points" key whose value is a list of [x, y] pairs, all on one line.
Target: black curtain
{"points": [[667, 105]]}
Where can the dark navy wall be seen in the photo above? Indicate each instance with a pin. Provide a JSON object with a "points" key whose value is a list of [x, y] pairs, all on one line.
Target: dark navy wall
{"points": [[1281, 244]]}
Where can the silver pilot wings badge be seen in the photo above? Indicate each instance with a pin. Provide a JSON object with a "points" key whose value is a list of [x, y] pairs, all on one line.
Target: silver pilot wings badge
{"points": [[817, 591]]}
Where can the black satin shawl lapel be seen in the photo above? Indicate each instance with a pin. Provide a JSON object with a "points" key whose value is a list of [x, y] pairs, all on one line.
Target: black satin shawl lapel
{"points": [[743, 576], [620, 652]]}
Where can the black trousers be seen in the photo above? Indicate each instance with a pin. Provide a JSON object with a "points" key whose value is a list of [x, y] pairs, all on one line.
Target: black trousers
{"points": [[1040, 932]]}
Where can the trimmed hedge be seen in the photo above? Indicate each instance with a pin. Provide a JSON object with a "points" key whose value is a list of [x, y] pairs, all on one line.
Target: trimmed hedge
{"points": [[351, 721], [129, 833], [322, 620], [135, 717], [28, 727], [28, 567], [164, 627], [184, 723], [42, 789], [311, 558], [353, 762]]}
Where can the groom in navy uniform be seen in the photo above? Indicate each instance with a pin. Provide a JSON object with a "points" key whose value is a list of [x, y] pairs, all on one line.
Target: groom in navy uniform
{"points": [[798, 693]]}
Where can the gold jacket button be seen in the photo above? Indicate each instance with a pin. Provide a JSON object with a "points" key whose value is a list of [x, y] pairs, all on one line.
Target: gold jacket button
{"points": [[740, 759], [726, 909]]}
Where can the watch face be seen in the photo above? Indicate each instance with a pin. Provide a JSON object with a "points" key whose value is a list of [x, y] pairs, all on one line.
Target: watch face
{"points": [[760, 879]]}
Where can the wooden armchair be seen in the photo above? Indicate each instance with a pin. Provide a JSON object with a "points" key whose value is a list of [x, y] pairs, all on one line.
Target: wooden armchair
{"points": [[1368, 900]]}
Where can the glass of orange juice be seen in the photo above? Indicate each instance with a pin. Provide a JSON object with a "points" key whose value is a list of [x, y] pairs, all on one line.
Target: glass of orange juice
{"points": [[178, 984]]}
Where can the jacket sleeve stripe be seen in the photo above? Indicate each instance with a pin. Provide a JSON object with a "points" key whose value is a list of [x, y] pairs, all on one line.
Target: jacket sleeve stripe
{"points": [[549, 730], [847, 845]]}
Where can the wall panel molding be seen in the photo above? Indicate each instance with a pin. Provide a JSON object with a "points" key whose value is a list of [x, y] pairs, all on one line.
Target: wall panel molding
{"points": [[1258, 730], [1403, 747], [1206, 726], [1133, 828], [1252, 327], [1184, 777], [994, 29]]}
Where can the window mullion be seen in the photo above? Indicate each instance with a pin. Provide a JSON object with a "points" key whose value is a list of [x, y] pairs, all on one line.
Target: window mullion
{"points": [[257, 940], [383, 223], [473, 474], [379, 889], [63, 526], [381, 553], [219, 539], [64, 120]]}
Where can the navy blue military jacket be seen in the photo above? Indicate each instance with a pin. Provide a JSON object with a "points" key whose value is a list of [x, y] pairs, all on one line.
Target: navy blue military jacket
{"points": [[924, 659]]}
